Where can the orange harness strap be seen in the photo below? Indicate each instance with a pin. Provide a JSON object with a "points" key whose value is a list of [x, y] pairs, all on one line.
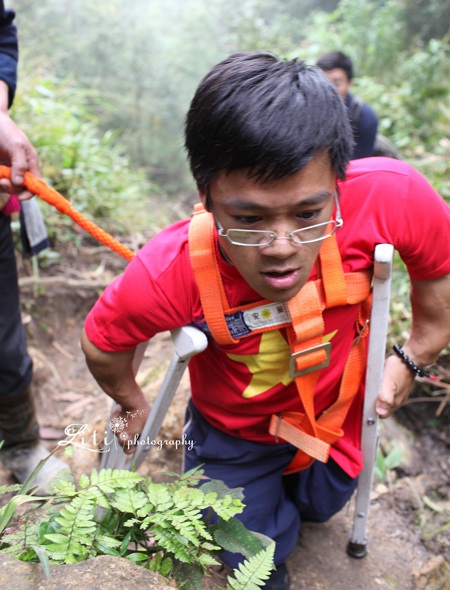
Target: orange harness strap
{"points": [[206, 270], [312, 436]]}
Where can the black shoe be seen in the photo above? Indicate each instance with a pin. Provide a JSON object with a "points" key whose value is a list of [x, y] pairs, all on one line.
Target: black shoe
{"points": [[279, 579]]}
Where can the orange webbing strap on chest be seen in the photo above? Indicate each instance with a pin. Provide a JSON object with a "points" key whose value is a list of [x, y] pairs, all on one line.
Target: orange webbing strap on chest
{"points": [[313, 435], [310, 434], [207, 274]]}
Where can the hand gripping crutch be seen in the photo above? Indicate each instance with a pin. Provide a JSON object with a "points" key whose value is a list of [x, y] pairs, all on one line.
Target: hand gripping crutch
{"points": [[188, 341], [357, 545]]}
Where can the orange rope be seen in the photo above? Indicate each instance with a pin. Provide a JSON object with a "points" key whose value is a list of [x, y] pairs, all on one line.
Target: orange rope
{"points": [[39, 188]]}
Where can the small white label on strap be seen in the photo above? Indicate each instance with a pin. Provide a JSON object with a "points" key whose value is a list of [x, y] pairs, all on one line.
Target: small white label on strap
{"points": [[266, 316]]}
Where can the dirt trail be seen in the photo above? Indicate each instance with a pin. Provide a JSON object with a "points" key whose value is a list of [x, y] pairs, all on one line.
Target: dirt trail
{"points": [[414, 504]]}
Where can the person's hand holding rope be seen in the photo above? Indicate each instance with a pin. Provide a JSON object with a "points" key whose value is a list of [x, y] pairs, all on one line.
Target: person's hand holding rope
{"points": [[16, 151]]}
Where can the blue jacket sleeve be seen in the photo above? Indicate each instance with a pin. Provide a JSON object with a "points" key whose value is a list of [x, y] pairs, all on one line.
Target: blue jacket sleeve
{"points": [[9, 52]]}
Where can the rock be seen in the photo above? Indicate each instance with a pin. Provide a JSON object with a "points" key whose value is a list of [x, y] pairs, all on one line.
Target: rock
{"points": [[435, 575], [100, 572]]}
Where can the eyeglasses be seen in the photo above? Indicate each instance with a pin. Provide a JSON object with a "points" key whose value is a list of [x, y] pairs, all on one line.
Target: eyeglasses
{"points": [[305, 235]]}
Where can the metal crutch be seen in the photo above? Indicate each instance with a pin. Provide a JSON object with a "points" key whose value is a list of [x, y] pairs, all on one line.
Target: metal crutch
{"points": [[188, 341], [384, 253]]}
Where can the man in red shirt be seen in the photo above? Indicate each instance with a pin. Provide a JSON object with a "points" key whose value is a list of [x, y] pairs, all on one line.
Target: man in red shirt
{"points": [[269, 147]]}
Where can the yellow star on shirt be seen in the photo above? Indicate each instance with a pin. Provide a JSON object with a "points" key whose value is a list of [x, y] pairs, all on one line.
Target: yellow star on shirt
{"points": [[270, 366]]}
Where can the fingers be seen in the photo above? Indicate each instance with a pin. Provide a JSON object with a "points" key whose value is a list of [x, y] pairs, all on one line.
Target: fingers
{"points": [[16, 151], [24, 159], [384, 405], [6, 186], [127, 426], [396, 387]]}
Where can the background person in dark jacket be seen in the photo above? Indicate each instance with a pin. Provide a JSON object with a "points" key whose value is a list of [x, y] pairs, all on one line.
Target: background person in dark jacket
{"points": [[339, 69], [19, 429]]}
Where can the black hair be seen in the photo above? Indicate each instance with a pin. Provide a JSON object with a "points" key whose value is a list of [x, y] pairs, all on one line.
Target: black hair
{"points": [[334, 60], [270, 116]]}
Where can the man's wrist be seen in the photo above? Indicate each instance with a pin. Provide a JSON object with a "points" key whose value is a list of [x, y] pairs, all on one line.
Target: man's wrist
{"points": [[413, 364]]}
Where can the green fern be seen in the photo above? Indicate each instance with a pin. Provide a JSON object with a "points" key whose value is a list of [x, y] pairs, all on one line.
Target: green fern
{"points": [[129, 501], [73, 540], [158, 526], [253, 573], [108, 480], [159, 497]]}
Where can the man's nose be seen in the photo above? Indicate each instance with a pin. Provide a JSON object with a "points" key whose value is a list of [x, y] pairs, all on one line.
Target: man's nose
{"points": [[282, 247]]}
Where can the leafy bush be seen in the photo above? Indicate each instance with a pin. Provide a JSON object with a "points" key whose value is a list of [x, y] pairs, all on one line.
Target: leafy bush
{"points": [[86, 167]]}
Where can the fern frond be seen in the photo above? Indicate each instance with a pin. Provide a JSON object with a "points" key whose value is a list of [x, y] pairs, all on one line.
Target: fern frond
{"points": [[70, 528], [253, 573], [228, 507], [108, 480], [66, 488], [172, 542], [183, 524], [73, 539], [84, 481], [130, 501], [207, 560], [159, 496], [221, 489], [108, 541]]}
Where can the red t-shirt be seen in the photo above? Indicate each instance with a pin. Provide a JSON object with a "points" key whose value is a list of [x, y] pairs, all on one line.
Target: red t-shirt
{"points": [[237, 388]]}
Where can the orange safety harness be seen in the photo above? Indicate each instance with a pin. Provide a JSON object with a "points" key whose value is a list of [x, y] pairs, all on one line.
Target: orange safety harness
{"points": [[312, 435]]}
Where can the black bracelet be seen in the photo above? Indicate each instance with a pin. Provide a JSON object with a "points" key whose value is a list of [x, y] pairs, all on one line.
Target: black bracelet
{"points": [[409, 363]]}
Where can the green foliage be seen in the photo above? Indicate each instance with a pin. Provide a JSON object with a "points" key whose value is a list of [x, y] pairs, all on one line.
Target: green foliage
{"points": [[86, 166], [254, 572], [386, 463], [374, 49], [426, 19], [232, 536], [160, 526]]}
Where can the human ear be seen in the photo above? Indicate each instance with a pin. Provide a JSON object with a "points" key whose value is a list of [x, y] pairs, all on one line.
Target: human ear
{"points": [[205, 199]]}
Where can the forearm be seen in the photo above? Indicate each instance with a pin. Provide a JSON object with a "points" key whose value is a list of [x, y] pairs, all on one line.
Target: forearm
{"points": [[114, 372], [430, 329]]}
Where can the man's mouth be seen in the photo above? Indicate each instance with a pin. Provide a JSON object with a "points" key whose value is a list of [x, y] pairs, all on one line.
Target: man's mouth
{"points": [[282, 279], [279, 273]]}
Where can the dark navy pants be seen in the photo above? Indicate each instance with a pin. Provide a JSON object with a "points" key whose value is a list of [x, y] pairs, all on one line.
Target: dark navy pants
{"points": [[275, 504], [15, 363]]}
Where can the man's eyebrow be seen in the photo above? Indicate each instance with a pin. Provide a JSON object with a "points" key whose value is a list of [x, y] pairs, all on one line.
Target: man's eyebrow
{"points": [[240, 203]]}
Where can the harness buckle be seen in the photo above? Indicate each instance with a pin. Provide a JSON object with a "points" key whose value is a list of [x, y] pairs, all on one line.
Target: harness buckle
{"points": [[294, 373]]}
